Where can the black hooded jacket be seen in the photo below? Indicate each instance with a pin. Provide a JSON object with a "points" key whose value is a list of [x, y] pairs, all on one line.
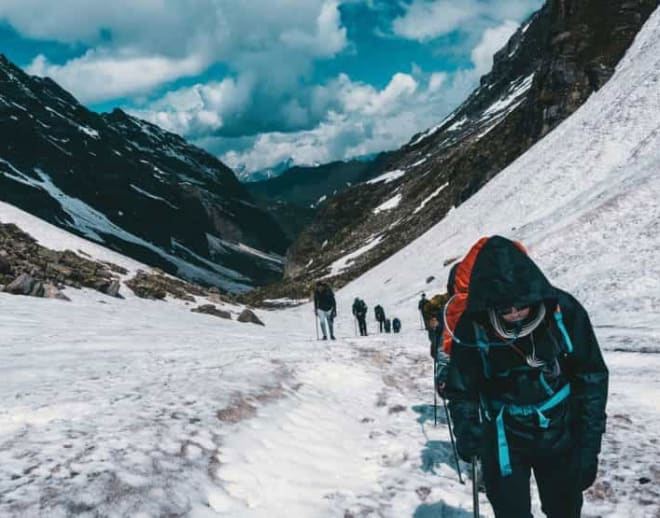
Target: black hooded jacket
{"points": [[502, 276]]}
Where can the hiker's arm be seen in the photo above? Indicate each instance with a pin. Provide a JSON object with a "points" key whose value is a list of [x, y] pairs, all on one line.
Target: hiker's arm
{"points": [[462, 392], [589, 384]]}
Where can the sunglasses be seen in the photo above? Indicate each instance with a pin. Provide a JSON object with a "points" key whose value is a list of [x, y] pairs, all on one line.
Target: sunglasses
{"points": [[509, 309]]}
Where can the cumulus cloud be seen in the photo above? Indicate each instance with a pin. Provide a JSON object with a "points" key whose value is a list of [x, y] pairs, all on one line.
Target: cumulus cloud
{"points": [[363, 120], [168, 39], [424, 20], [96, 76], [492, 40], [265, 108]]}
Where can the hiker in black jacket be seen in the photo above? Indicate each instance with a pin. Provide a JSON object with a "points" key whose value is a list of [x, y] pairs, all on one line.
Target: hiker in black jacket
{"points": [[527, 383], [360, 313], [325, 308], [379, 312]]}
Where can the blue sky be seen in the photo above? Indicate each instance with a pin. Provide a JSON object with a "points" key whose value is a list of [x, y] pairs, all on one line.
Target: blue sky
{"points": [[257, 82]]}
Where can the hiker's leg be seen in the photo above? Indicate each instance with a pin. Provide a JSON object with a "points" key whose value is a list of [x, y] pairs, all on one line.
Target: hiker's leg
{"points": [[323, 319], [508, 495], [557, 478], [330, 327]]}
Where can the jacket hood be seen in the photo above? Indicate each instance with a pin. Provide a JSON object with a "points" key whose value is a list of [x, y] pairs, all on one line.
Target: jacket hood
{"points": [[503, 275]]}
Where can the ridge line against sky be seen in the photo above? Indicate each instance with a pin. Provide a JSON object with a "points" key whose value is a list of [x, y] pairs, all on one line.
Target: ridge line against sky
{"points": [[265, 81]]}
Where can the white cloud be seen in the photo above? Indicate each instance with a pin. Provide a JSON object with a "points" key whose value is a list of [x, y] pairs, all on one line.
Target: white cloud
{"points": [[162, 40], [425, 20], [492, 40], [95, 76], [365, 121]]}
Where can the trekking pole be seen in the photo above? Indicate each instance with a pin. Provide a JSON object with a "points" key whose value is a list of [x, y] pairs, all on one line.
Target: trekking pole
{"points": [[475, 487], [435, 393], [453, 443]]}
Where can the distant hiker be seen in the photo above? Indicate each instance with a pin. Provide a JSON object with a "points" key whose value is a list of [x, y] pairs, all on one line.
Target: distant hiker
{"points": [[433, 307], [525, 358], [360, 313], [441, 359], [420, 308], [380, 316], [388, 325], [396, 325], [325, 308]]}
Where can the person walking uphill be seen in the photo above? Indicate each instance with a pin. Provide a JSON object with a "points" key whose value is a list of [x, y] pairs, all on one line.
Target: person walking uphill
{"points": [[360, 313], [379, 313], [325, 308], [527, 383]]}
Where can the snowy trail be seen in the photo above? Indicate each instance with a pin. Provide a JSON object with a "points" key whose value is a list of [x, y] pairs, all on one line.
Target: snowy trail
{"points": [[347, 442]]}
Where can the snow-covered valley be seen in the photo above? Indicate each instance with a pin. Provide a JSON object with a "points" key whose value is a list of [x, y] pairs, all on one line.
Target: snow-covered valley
{"points": [[141, 408]]}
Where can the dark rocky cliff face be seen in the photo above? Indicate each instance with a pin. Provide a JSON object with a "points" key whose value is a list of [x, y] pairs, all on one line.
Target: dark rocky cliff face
{"points": [[132, 186], [549, 67]]}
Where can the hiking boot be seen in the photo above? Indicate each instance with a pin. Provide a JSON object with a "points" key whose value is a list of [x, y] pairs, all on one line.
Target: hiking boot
{"points": [[332, 337], [324, 338]]}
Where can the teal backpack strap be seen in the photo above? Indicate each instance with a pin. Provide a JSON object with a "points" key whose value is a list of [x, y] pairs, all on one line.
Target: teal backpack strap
{"points": [[562, 329], [482, 343], [502, 445]]}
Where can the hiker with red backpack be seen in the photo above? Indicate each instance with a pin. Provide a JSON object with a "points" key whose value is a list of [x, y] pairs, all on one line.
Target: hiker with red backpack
{"points": [[527, 384]]}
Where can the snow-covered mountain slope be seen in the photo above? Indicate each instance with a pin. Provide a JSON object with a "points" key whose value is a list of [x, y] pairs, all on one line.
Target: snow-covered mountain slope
{"points": [[132, 186], [549, 67], [584, 200], [141, 408]]}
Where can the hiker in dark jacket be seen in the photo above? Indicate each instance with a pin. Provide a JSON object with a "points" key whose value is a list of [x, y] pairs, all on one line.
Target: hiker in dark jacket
{"points": [[525, 362], [379, 312], [420, 308], [439, 357], [360, 313], [325, 308]]}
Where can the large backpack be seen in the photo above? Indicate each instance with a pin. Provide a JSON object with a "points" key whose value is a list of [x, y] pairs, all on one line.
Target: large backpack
{"points": [[433, 306], [396, 325], [379, 312], [459, 287], [388, 325]]}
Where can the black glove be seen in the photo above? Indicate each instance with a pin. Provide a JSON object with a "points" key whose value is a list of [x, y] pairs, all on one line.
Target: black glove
{"points": [[588, 470], [469, 444], [333, 315]]}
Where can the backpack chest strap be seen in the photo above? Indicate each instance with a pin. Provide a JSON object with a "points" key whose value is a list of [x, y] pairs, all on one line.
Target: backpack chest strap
{"points": [[522, 410]]}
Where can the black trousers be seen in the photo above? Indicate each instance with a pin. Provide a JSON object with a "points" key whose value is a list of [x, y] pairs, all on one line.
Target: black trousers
{"points": [[557, 478], [381, 324], [362, 323]]}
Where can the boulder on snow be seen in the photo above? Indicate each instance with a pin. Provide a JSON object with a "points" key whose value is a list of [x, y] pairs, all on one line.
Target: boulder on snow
{"points": [[247, 315], [21, 285], [210, 309], [53, 292]]}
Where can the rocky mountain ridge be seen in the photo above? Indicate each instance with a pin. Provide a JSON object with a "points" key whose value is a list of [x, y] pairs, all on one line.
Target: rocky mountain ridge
{"points": [[131, 186]]}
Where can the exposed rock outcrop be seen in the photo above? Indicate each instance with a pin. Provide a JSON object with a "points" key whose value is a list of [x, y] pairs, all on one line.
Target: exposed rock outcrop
{"points": [[210, 309], [27, 268]]}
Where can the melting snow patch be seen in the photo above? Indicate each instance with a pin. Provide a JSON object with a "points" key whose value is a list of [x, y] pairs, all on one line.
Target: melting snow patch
{"points": [[390, 204], [430, 197], [502, 104], [341, 264], [388, 177], [152, 196]]}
